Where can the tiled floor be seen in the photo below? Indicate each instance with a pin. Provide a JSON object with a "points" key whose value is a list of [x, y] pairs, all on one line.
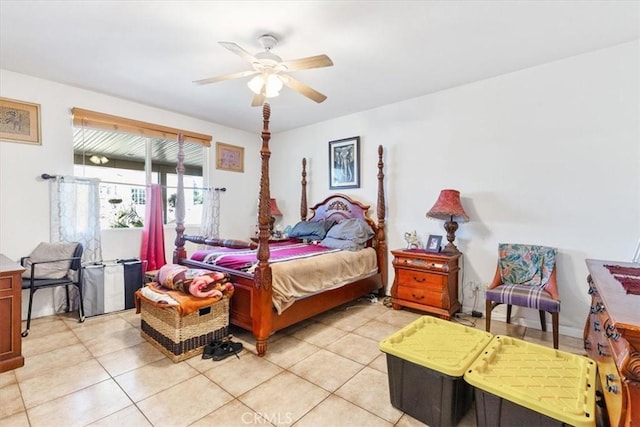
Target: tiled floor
{"points": [[324, 372]]}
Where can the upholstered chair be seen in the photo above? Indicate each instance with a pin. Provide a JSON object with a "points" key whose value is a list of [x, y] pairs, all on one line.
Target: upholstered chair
{"points": [[526, 277]]}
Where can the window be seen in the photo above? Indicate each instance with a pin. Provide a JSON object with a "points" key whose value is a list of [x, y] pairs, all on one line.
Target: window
{"points": [[126, 156]]}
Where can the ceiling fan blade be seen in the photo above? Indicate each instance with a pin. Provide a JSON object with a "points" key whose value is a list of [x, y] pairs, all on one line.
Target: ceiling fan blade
{"points": [[303, 89], [317, 61], [258, 100], [239, 51], [225, 77]]}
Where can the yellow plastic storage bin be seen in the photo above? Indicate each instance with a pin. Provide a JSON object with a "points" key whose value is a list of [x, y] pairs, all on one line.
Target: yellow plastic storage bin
{"points": [[521, 383], [426, 361]]}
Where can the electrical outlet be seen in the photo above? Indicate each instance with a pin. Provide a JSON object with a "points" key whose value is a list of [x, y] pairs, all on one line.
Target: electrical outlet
{"points": [[475, 286]]}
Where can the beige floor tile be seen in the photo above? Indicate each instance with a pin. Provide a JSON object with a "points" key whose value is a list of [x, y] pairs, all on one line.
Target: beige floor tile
{"points": [[127, 417], [408, 421], [8, 378], [46, 326], [229, 378], [360, 349], [319, 334], [369, 389], [81, 407], [32, 346], [131, 317], [16, 420], [345, 319], [127, 359], [400, 318], [369, 310], [502, 328], [184, 403], [288, 351], [565, 343], [380, 363], [155, 377], [10, 401], [233, 414], [59, 358], [54, 384], [327, 370], [376, 330], [106, 343], [284, 408], [335, 411]]}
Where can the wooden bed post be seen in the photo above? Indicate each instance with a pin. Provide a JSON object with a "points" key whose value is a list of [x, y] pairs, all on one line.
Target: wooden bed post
{"points": [[262, 302], [179, 251], [380, 233], [303, 196]]}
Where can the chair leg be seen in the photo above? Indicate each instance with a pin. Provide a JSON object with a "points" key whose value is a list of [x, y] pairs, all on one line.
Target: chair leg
{"points": [[555, 322], [543, 321], [26, 331], [80, 306], [487, 324], [508, 313], [66, 290]]}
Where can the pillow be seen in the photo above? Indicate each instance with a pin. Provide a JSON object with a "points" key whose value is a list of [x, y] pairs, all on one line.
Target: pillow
{"points": [[312, 230], [49, 252], [354, 229], [346, 245]]}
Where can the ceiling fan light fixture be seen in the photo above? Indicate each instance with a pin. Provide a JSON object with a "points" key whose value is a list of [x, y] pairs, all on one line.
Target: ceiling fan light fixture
{"points": [[272, 87], [98, 160]]}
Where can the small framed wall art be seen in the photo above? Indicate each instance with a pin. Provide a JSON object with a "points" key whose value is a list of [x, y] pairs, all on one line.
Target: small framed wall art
{"points": [[433, 243], [20, 121], [229, 157], [344, 163]]}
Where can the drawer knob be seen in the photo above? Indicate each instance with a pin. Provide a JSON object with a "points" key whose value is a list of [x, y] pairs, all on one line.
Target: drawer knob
{"points": [[417, 296], [419, 279]]}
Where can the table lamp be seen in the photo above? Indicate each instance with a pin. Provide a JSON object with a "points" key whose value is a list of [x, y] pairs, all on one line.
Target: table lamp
{"points": [[274, 212], [449, 208]]}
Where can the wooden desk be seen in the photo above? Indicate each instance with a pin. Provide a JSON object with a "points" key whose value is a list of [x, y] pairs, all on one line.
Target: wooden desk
{"points": [[10, 314], [426, 281], [612, 339]]}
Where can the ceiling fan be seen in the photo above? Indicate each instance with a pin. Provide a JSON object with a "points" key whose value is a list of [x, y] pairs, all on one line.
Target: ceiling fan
{"points": [[271, 71]]}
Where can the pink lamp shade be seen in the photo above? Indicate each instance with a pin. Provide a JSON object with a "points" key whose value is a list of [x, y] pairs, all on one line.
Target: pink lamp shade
{"points": [[274, 208], [449, 208]]}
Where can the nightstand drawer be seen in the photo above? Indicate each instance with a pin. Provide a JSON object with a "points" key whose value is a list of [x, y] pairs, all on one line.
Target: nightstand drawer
{"points": [[420, 279], [420, 296]]}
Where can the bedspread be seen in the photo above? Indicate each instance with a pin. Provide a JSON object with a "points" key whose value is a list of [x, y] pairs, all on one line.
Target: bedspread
{"points": [[308, 276]]}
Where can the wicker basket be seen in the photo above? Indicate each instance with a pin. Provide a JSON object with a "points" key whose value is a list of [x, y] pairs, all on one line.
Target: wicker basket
{"points": [[182, 337]]}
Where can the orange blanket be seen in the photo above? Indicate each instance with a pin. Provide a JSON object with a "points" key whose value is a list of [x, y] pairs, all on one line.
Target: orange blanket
{"points": [[188, 303]]}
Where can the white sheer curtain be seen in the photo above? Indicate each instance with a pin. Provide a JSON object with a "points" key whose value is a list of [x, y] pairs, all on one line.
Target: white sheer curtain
{"points": [[75, 214], [75, 217], [210, 223]]}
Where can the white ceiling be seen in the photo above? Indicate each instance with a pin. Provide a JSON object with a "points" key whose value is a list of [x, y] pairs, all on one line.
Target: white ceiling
{"points": [[383, 51]]}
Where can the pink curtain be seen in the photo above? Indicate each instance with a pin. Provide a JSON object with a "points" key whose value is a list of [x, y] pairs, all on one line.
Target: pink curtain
{"points": [[152, 249]]}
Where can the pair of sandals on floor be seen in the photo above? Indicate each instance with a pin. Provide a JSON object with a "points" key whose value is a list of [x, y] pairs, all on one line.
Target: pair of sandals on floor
{"points": [[221, 349]]}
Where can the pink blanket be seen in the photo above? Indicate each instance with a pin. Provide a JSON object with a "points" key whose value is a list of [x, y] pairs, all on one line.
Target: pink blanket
{"points": [[196, 282], [245, 259]]}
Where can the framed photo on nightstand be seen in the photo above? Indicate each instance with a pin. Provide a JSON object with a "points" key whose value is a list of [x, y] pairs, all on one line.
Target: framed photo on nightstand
{"points": [[433, 243]]}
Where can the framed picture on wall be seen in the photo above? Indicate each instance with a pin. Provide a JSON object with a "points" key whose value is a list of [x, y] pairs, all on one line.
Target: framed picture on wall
{"points": [[229, 157], [344, 163], [20, 121]]}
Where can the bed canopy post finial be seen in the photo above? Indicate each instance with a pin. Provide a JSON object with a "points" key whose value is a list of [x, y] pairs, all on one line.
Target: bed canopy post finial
{"points": [[303, 196], [261, 305], [380, 233], [179, 252]]}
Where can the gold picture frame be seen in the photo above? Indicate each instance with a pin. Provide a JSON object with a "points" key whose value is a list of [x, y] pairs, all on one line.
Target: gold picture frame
{"points": [[20, 121], [229, 157]]}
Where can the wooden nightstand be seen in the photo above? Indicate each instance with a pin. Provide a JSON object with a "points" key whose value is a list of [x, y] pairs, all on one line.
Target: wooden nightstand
{"points": [[426, 281]]}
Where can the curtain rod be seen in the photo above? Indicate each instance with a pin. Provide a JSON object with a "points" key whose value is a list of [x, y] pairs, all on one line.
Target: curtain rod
{"points": [[46, 176]]}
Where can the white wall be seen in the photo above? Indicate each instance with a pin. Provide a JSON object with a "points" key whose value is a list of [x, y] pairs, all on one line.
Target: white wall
{"points": [[24, 198], [547, 155]]}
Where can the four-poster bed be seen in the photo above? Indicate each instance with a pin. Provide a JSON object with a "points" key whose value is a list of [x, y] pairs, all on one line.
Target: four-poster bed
{"points": [[252, 306]]}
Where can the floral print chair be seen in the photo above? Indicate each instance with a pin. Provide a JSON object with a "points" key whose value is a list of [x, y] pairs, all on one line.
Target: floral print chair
{"points": [[526, 277]]}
